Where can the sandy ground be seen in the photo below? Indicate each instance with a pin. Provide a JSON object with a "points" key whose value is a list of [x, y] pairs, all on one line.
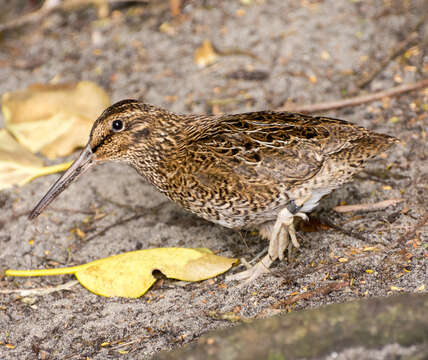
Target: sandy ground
{"points": [[312, 51]]}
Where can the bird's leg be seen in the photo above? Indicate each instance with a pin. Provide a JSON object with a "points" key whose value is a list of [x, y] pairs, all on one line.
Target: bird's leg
{"points": [[283, 231]]}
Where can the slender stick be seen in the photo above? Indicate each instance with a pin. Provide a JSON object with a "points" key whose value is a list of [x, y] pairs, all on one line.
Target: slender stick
{"points": [[357, 100], [322, 290], [368, 207], [399, 49], [48, 7], [40, 291]]}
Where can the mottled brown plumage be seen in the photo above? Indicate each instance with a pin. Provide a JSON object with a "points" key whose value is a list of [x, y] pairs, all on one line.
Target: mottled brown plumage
{"points": [[252, 170]]}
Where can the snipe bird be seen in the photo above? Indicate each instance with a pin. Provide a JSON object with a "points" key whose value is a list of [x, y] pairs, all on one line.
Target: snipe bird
{"points": [[256, 170]]}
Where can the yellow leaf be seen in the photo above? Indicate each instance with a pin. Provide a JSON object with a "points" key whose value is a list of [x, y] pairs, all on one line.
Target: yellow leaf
{"points": [[205, 55], [421, 288], [130, 274], [396, 288], [167, 28], [54, 119], [19, 166]]}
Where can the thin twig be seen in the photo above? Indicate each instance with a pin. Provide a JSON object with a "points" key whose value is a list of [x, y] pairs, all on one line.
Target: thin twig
{"points": [[396, 51], [321, 291], [357, 100], [33, 17], [117, 223], [72, 211], [50, 6], [373, 178], [13, 217], [16, 216], [412, 232], [344, 231], [368, 207], [40, 291], [141, 212]]}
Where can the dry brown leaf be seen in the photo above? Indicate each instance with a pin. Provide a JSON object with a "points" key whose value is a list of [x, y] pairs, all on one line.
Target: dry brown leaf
{"points": [[18, 165], [205, 55], [54, 119], [175, 6]]}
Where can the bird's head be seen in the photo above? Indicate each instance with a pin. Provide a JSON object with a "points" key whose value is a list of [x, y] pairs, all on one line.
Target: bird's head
{"points": [[121, 130]]}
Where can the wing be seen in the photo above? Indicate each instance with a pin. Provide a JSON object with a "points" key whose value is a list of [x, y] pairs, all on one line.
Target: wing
{"points": [[269, 147], [240, 169]]}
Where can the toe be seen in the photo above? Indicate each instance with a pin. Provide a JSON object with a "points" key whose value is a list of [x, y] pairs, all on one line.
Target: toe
{"points": [[283, 243], [250, 275], [292, 232], [273, 247]]}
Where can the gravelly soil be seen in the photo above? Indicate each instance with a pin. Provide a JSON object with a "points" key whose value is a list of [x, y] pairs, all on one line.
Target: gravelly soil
{"points": [[312, 51]]}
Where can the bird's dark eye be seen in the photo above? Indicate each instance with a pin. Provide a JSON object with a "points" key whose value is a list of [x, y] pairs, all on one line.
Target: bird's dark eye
{"points": [[117, 125]]}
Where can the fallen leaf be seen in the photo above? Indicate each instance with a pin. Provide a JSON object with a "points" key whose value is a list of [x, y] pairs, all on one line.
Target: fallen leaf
{"points": [[175, 7], [325, 55], [313, 79], [54, 119], [167, 28], [240, 12], [130, 274], [18, 165], [205, 55], [394, 120]]}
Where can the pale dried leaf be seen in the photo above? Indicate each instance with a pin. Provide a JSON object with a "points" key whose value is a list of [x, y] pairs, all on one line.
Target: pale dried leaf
{"points": [[205, 55], [18, 165], [54, 119]]}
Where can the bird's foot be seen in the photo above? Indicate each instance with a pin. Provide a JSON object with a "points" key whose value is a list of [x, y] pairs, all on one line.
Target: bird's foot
{"points": [[253, 272], [282, 232]]}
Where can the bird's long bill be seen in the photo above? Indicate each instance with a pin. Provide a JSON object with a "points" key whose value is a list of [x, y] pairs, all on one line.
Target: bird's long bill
{"points": [[84, 162]]}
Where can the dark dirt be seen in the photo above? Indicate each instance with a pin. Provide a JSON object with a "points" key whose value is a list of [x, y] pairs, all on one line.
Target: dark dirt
{"points": [[303, 52]]}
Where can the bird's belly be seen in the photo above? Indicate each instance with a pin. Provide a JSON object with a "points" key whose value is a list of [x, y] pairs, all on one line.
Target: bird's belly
{"points": [[236, 218], [315, 198], [234, 215], [240, 214]]}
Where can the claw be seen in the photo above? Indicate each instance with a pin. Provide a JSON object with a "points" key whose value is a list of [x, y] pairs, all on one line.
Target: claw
{"points": [[251, 274], [283, 236]]}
